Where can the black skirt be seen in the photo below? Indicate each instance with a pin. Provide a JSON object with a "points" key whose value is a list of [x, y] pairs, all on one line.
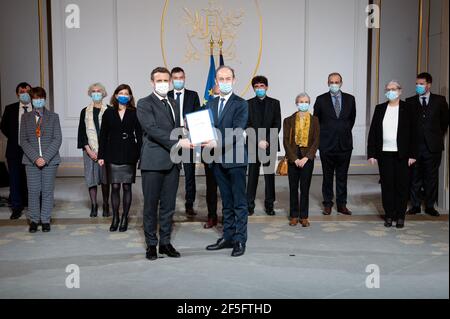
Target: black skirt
{"points": [[118, 174]]}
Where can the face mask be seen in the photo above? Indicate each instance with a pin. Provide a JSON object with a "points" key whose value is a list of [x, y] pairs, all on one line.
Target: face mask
{"points": [[123, 99], [303, 107], [38, 103], [178, 84], [421, 89], [260, 93], [162, 88], [97, 96], [25, 98], [335, 88], [392, 95], [225, 88]]}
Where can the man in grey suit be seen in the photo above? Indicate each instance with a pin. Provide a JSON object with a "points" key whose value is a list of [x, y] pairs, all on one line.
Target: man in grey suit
{"points": [[159, 115]]}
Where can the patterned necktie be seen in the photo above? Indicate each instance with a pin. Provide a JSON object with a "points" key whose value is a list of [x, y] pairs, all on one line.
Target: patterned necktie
{"points": [[38, 125], [222, 104], [168, 110], [337, 106]]}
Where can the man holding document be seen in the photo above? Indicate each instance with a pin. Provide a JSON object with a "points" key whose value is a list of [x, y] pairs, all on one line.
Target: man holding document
{"points": [[229, 114]]}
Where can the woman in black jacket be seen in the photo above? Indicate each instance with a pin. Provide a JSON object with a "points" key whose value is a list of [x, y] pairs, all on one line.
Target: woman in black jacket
{"points": [[119, 149], [393, 144]]}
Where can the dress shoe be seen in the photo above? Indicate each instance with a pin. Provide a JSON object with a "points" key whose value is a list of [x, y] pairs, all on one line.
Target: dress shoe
{"points": [[413, 211], [106, 210], [46, 227], [251, 212], [212, 222], [305, 222], [151, 253], [344, 210], [94, 210], [388, 222], [270, 212], [293, 221], [115, 222], [432, 212], [326, 211], [190, 212], [33, 227], [16, 214], [169, 250], [400, 223], [238, 249], [123, 223], [221, 244]]}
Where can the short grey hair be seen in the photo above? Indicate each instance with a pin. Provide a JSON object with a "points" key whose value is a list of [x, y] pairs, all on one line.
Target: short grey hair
{"points": [[303, 94], [99, 86], [394, 82], [225, 67]]}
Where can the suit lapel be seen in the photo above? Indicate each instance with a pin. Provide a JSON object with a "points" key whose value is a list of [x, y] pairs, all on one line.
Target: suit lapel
{"points": [[215, 109], [330, 100], [161, 107]]}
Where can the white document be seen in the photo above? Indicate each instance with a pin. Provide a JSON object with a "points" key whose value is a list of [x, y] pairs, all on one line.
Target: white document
{"points": [[200, 126]]}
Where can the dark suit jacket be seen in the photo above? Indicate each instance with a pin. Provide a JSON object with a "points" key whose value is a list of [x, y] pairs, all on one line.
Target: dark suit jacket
{"points": [[120, 140], [433, 124], [157, 126], [191, 101], [268, 117], [407, 142], [289, 139], [234, 116], [335, 132], [10, 128]]}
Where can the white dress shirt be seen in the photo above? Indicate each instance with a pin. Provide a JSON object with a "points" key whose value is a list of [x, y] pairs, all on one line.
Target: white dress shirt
{"points": [[226, 97], [390, 128], [427, 96]]}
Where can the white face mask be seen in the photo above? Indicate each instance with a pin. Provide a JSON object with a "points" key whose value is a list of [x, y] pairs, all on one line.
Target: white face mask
{"points": [[162, 88]]}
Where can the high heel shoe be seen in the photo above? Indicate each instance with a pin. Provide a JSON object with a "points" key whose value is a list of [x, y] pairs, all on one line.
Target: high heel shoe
{"points": [[106, 210], [94, 210], [123, 223], [115, 222]]}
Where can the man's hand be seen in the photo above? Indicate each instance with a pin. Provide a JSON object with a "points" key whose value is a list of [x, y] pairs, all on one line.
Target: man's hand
{"points": [[185, 143], [263, 145], [40, 162], [372, 161], [210, 144], [411, 162]]}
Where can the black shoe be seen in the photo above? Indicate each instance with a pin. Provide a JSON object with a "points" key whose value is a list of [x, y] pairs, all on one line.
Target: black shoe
{"points": [[46, 227], [33, 227], [169, 250], [94, 210], [190, 212], [151, 253], [388, 222], [400, 223], [413, 211], [432, 212], [106, 210], [16, 214], [221, 244], [238, 249], [115, 222], [123, 223], [270, 212]]}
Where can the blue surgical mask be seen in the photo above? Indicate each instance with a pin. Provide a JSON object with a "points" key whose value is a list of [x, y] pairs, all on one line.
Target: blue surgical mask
{"points": [[303, 107], [392, 95], [421, 89], [123, 99], [335, 88], [25, 98], [38, 103], [178, 84], [97, 96], [260, 93], [225, 88]]}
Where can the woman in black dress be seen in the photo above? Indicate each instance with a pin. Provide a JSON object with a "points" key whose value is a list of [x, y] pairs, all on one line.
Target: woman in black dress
{"points": [[119, 150]]}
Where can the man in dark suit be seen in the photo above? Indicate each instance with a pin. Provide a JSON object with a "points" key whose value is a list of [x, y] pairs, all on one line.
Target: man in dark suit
{"points": [[336, 111], [159, 116], [432, 127], [230, 114], [263, 113], [189, 102], [10, 128]]}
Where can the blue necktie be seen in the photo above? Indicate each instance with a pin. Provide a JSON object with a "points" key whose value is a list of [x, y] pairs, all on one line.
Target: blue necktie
{"points": [[222, 104]]}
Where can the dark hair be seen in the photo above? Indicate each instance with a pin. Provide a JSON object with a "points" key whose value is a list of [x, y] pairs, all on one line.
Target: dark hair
{"points": [[176, 69], [158, 70], [114, 103], [22, 85], [38, 92], [425, 76], [260, 79], [222, 67], [334, 74]]}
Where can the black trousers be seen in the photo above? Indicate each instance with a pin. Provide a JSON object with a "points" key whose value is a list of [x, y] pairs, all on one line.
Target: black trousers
{"points": [[18, 190], [252, 185], [425, 173], [211, 192], [332, 162], [160, 194], [394, 176], [300, 176], [189, 183]]}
